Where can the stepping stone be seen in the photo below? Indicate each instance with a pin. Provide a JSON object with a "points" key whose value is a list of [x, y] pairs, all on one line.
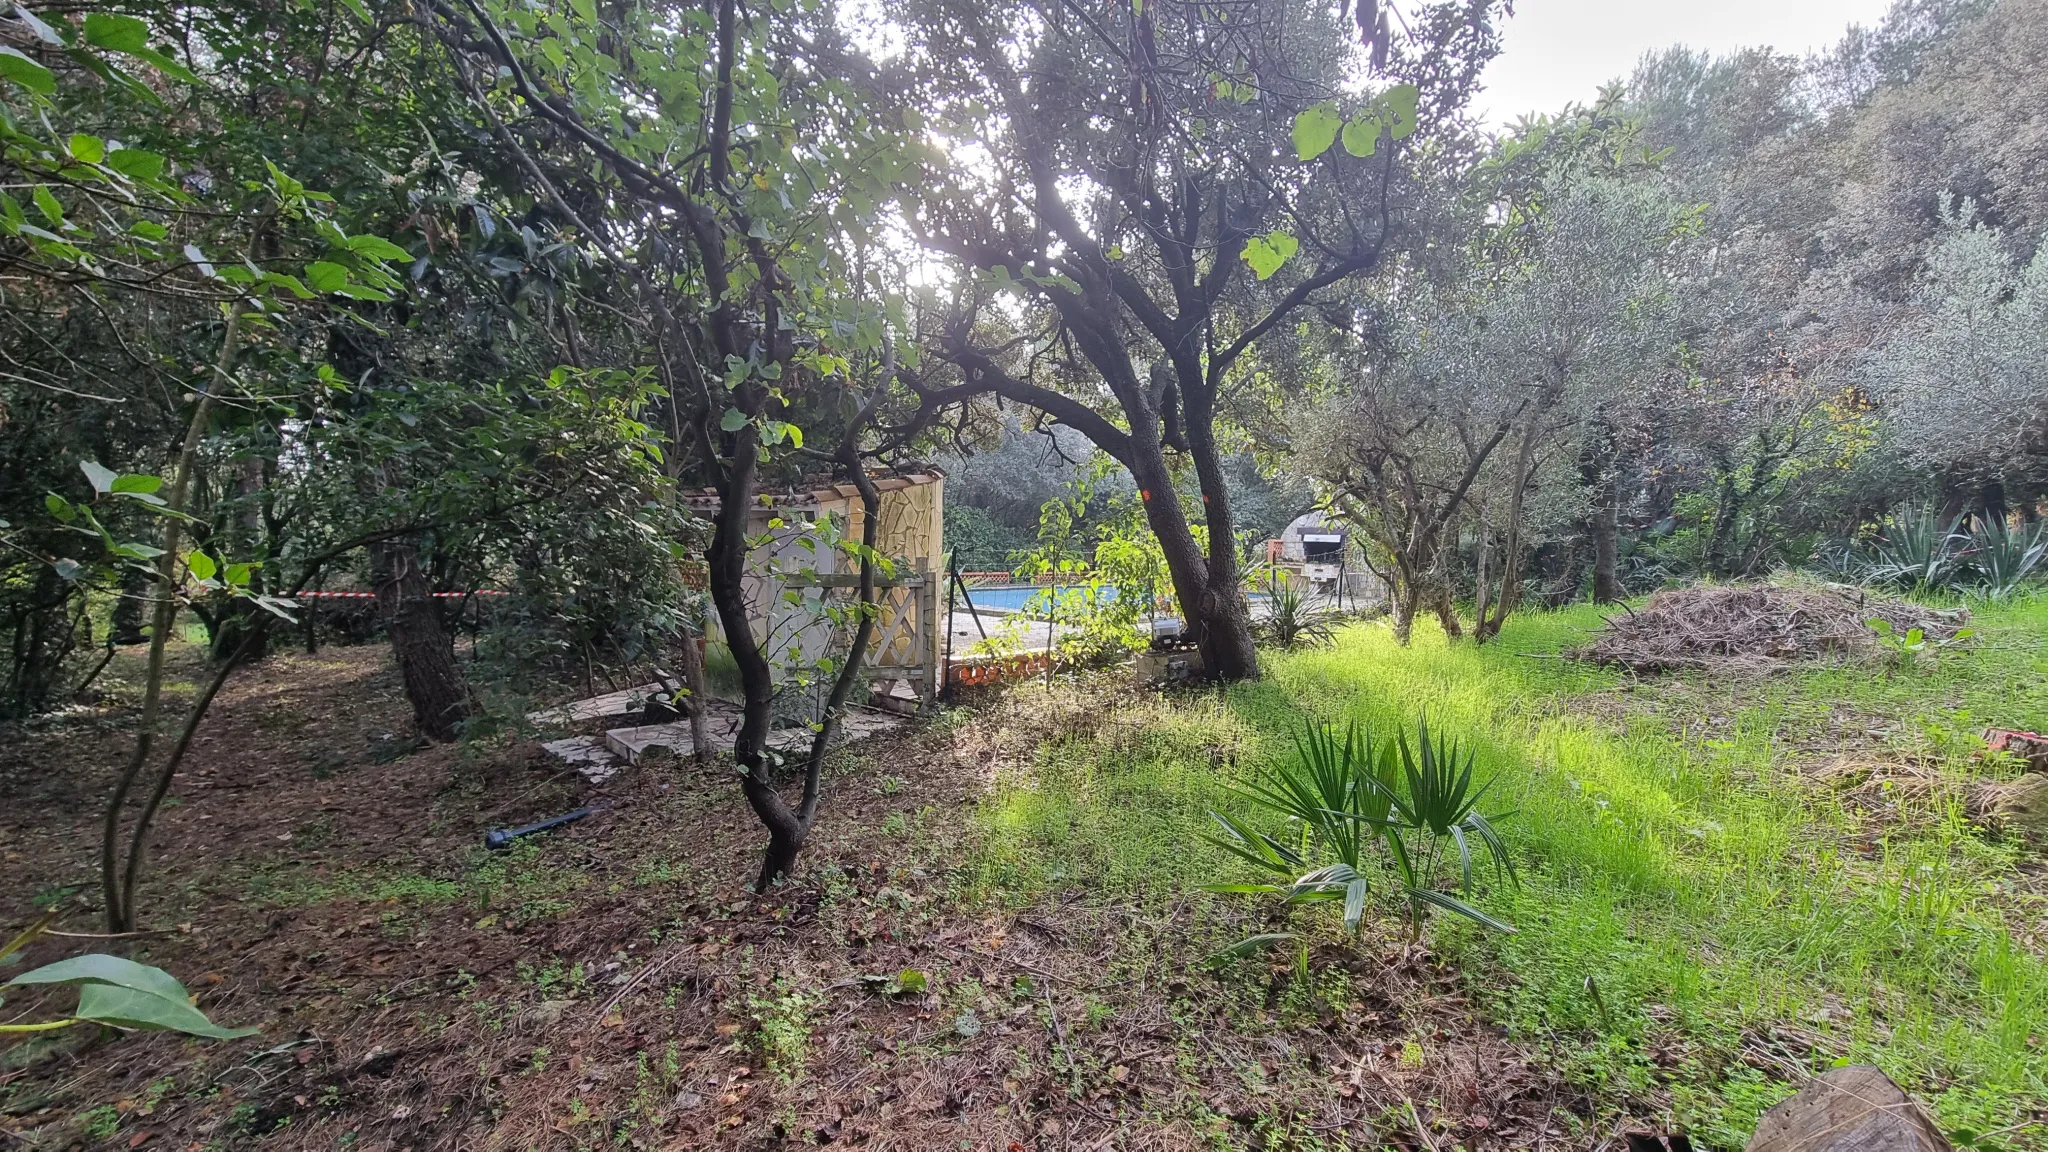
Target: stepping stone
{"points": [[1853, 1109], [626, 703], [588, 755], [629, 744]]}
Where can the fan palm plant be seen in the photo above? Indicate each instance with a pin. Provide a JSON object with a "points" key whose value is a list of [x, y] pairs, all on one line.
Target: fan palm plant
{"points": [[1343, 796]]}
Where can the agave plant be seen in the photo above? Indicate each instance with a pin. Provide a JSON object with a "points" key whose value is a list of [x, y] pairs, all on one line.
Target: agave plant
{"points": [[1345, 796], [2004, 558], [1919, 550], [1293, 618]]}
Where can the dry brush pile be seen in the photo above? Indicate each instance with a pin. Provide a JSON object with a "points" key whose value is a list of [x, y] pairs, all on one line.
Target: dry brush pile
{"points": [[1757, 627]]}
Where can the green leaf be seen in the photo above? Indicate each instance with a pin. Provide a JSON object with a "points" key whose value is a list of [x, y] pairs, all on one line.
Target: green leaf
{"points": [[135, 483], [48, 206], [289, 283], [87, 149], [1248, 946], [138, 164], [1451, 903], [1260, 255], [377, 248], [60, 508], [26, 72], [1316, 129], [322, 276], [911, 980], [129, 1008], [102, 478], [1354, 903], [116, 33], [201, 564], [733, 420], [149, 230], [97, 968], [1362, 136], [362, 12], [237, 575], [1267, 253], [1402, 101]]}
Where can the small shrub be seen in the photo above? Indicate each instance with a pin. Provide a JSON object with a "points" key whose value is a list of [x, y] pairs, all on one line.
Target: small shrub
{"points": [[1903, 649], [782, 1029], [1293, 618], [1918, 550], [2004, 559], [1360, 804]]}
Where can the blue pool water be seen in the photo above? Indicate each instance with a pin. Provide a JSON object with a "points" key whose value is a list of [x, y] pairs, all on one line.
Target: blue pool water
{"points": [[1014, 597]]}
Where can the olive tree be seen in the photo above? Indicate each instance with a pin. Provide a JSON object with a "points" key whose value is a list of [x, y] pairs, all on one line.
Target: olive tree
{"points": [[1134, 198]]}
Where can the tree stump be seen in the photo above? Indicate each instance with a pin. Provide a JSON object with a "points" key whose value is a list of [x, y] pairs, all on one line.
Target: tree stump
{"points": [[2019, 807], [1853, 1109]]}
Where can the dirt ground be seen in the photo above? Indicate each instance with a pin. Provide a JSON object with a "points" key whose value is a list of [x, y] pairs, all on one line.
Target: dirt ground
{"points": [[615, 984]]}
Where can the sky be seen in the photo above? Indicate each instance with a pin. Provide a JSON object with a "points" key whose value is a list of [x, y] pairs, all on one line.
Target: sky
{"points": [[1559, 51]]}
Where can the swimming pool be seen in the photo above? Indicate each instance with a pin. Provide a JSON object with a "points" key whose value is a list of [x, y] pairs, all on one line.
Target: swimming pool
{"points": [[1014, 597]]}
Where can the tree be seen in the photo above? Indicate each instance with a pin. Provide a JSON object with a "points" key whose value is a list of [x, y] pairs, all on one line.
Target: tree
{"points": [[1138, 196], [1495, 378], [727, 165], [1961, 383]]}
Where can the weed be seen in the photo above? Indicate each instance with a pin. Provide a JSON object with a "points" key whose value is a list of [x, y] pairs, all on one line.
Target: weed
{"points": [[782, 1028], [155, 1093], [100, 1122]]}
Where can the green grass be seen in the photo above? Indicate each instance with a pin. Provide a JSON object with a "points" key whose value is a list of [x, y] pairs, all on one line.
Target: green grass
{"points": [[518, 884], [1702, 912]]}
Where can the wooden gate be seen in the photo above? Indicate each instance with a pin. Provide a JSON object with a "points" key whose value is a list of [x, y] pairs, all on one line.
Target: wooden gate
{"points": [[908, 630]]}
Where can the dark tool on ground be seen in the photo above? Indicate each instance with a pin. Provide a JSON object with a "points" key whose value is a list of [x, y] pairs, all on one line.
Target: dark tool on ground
{"points": [[498, 838]]}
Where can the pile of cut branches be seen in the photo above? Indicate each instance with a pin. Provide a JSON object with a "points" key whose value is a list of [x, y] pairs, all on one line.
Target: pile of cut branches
{"points": [[1756, 627]]}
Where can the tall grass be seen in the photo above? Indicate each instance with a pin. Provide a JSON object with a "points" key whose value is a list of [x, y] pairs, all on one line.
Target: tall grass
{"points": [[1701, 910]]}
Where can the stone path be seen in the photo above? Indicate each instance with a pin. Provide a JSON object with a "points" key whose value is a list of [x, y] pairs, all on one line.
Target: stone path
{"points": [[599, 758]]}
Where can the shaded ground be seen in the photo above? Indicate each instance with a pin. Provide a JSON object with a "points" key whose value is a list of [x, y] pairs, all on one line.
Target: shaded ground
{"points": [[615, 985]]}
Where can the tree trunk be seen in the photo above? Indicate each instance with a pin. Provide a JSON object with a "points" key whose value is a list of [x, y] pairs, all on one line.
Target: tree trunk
{"points": [[1447, 612], [127, 615], [1727, 506], [1606, 541], [1231, 654], [1218, 622], [1482, 584], [1404, 614], [424, 651], [727, 563], [694, 679], [238, 620], [1485, 628], [1598, 471]]}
